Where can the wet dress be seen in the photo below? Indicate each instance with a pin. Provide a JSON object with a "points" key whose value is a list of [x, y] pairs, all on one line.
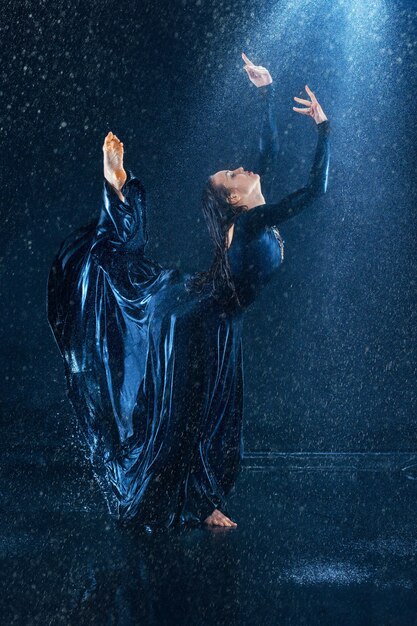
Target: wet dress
{"points": [[154, 371]]}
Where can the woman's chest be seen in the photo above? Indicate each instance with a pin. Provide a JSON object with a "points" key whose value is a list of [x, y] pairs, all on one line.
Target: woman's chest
{"points": [[257, 256]]}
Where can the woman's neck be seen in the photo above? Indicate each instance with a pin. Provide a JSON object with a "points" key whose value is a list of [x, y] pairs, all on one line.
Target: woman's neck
{"points": [[254, 201]]}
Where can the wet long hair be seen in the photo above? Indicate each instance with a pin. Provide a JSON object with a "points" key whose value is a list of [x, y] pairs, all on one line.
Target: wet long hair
{"points": [[219, 215]]}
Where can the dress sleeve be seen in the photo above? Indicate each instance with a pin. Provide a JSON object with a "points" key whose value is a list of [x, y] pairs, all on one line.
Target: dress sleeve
{"points": [[266, 162], [294, 203], [124, 224]]}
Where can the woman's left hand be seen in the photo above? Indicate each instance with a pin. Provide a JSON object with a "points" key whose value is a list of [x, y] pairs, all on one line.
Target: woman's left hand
{"points": [[258, 75], [313, 109]]}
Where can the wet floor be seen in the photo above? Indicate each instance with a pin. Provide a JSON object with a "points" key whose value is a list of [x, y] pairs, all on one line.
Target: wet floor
{"points": [[321, 539]]}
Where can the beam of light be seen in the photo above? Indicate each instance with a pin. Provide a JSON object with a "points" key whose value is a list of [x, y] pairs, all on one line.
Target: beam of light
{"points": [[365, 39]]}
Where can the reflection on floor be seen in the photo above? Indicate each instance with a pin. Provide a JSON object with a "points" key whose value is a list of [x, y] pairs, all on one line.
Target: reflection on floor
{"points": [[321, 539]]}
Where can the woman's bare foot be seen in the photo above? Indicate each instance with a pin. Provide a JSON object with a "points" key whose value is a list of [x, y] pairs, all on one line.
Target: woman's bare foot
{"points": [[114, 172], [218, 519]]}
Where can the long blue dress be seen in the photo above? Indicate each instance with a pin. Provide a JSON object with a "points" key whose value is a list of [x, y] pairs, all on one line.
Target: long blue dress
{"points": [[155, 372]]}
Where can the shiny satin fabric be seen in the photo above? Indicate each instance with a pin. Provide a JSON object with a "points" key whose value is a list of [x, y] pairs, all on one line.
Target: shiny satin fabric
{"points": [[154, 372]]}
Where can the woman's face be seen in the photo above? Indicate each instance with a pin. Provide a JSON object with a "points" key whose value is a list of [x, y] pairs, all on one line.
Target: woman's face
{"points": [[242, 184]]}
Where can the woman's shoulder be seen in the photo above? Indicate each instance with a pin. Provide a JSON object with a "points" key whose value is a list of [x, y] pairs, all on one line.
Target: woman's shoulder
{"points": [[251, 220], [251, 228]]}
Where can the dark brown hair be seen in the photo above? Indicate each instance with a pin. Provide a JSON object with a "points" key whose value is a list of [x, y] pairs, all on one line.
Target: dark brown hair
{"points": [[219, 215]]}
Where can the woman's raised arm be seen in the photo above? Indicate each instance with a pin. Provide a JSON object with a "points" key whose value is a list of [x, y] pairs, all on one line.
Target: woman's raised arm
{"points": [[294, 203], [266, 162]]}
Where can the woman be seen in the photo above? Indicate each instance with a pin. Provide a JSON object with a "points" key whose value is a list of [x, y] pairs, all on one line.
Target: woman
{"points": [[153, 357]]}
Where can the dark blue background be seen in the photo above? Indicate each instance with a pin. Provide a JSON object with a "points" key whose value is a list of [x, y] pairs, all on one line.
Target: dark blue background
{"points": [[330, 348]]}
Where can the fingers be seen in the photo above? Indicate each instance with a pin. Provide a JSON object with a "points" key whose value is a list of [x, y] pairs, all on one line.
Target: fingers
{"points": [[304, 111], [311, 106], [255, 71], [250, 71], [247, 61], [310, 93], [301, 101], [255, 68], [249, 64]]}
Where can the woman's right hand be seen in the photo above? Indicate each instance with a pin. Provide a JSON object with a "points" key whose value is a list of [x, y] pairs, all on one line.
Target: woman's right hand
{"points": [[258, 75], [314, 109]]}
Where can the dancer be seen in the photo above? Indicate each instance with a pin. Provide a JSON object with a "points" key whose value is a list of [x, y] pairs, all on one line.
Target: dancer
{"points": [[152, 356]]}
